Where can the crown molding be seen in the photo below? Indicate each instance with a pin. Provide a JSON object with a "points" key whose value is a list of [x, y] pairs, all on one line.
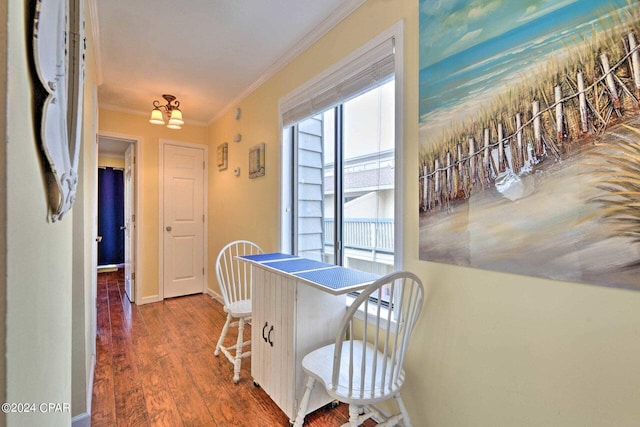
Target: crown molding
{"points": [[95, 33], [305, 43]]}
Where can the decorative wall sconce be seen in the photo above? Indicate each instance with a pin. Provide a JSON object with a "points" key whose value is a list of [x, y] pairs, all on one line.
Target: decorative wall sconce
{"points": [[171, 109]]}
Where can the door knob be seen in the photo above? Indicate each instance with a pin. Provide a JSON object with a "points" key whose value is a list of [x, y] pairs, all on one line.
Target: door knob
{"points": [[168, 228]]}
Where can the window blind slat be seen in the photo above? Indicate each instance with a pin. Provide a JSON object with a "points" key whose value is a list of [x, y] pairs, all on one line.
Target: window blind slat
{"points": [[371, 69]]}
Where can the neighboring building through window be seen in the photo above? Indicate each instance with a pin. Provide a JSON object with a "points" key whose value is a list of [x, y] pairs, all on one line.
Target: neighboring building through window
{"points": [[342, 141], [345, 169]]}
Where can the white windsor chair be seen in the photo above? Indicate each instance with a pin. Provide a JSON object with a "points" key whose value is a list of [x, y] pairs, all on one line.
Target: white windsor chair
{"points": [[364, 365], [234, 278]]}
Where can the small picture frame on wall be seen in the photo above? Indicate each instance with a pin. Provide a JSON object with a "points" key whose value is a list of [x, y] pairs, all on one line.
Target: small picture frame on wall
{"points": [[223, 156], [256, 161]]}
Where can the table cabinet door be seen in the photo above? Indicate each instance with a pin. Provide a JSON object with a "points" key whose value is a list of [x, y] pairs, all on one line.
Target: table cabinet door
{"points": [[290, 319], [317, 317], [272, 362]]}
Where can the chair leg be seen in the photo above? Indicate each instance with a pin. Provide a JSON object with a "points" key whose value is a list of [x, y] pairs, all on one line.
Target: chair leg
{"points": [[406, 421], [237, 363], [354, 415], [223, 334], [304, 402]]}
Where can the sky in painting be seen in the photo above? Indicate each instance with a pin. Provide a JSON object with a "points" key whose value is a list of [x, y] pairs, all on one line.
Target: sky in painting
{"points": [[451, 26], [471, 50]]}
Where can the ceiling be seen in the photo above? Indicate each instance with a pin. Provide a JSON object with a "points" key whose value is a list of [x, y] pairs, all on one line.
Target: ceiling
{"points": [[113, 147], [208, 53]]}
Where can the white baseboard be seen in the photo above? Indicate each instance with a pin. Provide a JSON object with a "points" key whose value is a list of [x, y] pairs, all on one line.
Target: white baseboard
{"points": [[216, 296], [90, 386], [149, 300], [156, 298], [82, 420]]}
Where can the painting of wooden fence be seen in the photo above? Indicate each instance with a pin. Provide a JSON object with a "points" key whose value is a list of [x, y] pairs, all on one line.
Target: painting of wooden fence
{"points": [[530, 138]]}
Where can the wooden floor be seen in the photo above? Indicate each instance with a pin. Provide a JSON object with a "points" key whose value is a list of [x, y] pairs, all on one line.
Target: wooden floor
{"points": [[155, 367]]}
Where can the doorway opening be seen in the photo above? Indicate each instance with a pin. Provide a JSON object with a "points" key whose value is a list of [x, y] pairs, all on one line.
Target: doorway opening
{"points": [[117, 207], [111, 228]]}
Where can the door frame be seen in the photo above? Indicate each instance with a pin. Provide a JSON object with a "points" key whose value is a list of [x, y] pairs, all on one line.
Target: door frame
{"points": [[136, 143], [162, 142], [129, 208]]}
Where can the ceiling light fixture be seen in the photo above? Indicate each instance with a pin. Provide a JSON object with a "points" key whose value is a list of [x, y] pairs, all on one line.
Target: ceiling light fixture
{"points": [[171, 109]]}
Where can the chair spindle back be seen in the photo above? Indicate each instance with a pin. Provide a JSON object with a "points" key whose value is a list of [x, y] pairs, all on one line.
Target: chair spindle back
{"points": [[377, 372], [234, 276]]}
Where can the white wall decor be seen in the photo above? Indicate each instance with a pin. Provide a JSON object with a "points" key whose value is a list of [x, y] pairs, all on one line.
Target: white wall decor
{"points": [[256, 161], [58, 55]]}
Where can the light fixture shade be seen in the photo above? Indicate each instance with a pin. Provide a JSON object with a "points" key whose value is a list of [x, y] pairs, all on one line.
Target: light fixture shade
{"points": [[170, 109], [176, 117], [156, 117]]}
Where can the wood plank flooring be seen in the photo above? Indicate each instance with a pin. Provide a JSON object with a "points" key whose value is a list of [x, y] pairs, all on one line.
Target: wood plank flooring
{"points": [[155, 367]]}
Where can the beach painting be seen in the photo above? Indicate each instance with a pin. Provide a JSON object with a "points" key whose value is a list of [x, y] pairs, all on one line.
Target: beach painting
{"points": [[529, 138]]}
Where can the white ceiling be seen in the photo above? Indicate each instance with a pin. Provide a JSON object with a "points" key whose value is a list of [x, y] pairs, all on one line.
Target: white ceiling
{"points": [[208, 53], [112, 147]]}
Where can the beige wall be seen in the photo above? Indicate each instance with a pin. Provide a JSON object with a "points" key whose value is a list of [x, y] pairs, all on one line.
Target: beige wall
{"points": [[111, 162], [239, 207], [138, 126], [491, 349]]}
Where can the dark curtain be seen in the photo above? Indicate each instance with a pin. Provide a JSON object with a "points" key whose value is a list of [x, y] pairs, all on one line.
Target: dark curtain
{"points": [[110, 216]]}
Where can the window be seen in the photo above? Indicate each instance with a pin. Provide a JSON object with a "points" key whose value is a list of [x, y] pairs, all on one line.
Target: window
{"points": [[343, 183], [341, 190]]}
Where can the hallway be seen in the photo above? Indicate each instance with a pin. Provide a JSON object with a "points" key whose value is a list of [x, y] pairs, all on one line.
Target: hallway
{"points": [[155, 367]]}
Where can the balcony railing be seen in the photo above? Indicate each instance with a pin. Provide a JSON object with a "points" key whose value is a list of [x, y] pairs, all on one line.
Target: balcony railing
{"points": [[371, 234]]}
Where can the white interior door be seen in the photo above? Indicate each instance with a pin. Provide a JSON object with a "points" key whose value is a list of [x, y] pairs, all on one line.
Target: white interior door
{"points": [[129, 224], [183, 214]]}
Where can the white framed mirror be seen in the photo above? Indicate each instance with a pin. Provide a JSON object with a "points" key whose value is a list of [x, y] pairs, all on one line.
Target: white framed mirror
{"points": [[58, 49]]}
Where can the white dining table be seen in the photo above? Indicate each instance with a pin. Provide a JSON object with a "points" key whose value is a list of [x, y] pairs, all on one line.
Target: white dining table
{"points": [[297, 305]]}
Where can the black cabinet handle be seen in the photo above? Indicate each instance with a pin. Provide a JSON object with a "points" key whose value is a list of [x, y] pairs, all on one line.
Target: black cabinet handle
{"points": [[263, 328], [269, 336]]}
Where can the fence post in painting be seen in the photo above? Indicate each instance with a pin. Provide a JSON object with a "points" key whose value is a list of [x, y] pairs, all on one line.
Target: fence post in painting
{"points": [[437, 191], [635, 61], [486, 161], [460, 170], [559, 120], [455, 170], [520, 153], [584, 123], [501, 160], [611, 85], [537, 128], [425, 188], [449, 175], [473, 173]]}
